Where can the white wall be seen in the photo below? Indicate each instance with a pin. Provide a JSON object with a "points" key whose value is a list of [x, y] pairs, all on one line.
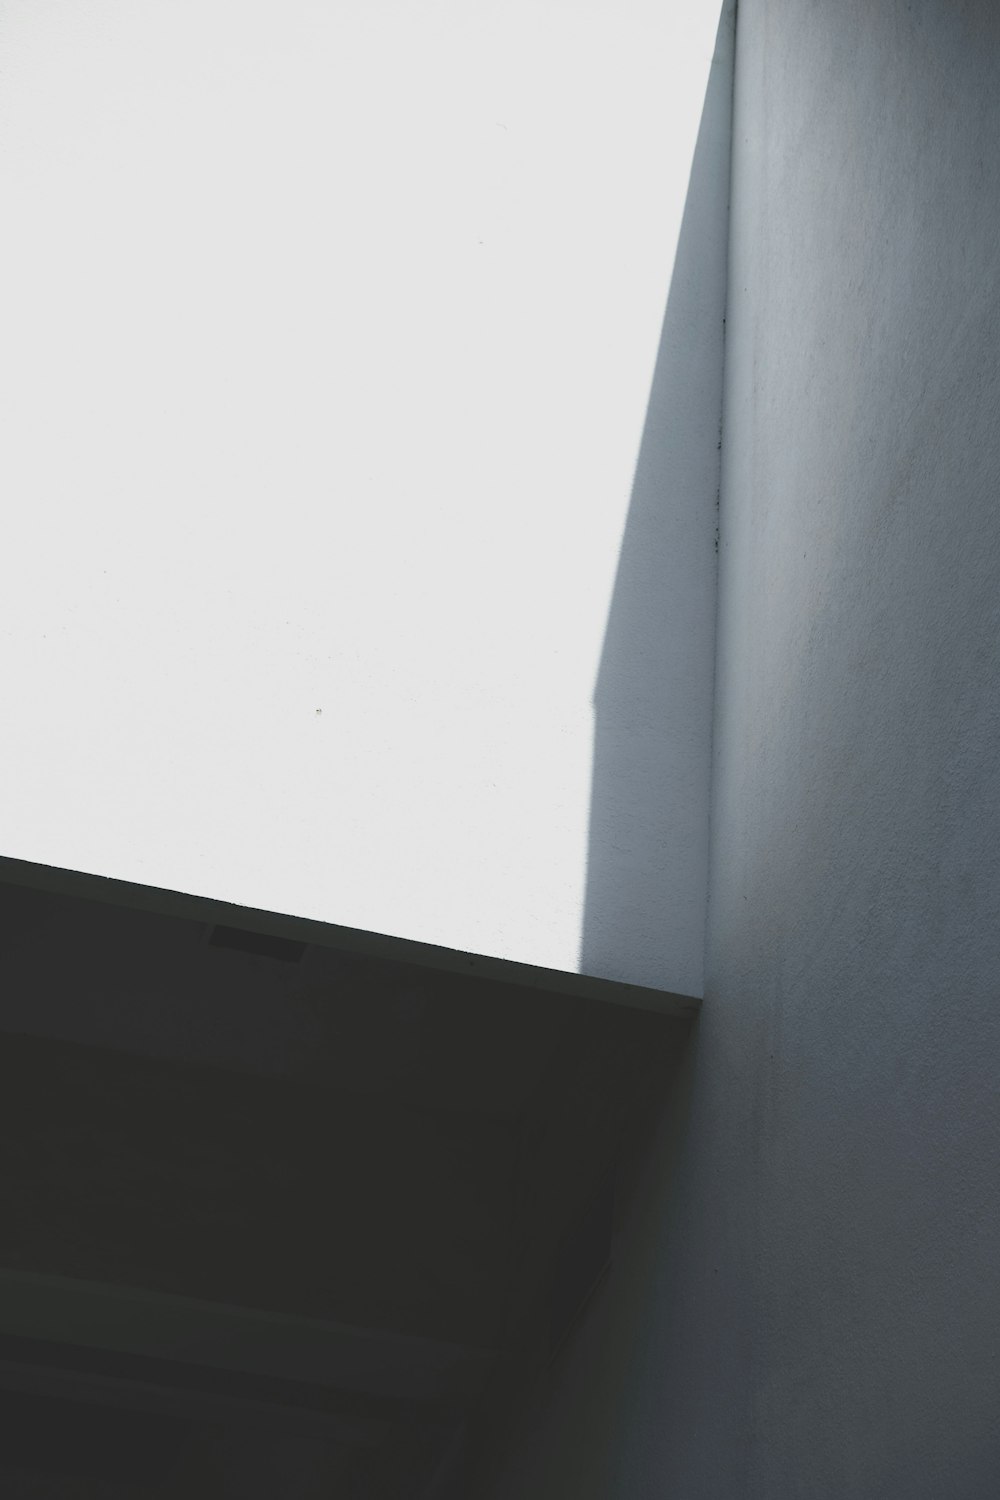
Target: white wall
{"points": [[328, 334], [806, 1299]]}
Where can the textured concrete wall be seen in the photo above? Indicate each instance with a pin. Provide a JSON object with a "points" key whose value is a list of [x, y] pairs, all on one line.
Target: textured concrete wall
{"points": [[854, 951], [328, 337], [819, 1246]]}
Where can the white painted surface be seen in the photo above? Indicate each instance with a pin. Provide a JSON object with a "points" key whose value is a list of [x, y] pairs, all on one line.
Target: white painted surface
{"points": [[805, 1301], [328, 332]]}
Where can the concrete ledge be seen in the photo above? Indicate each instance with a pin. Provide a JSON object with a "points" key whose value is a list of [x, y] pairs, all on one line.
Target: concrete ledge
{"points": [[124, 893]]}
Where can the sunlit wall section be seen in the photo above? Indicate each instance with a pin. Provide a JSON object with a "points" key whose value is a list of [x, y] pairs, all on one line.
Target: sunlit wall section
{"points": [[328, 337]]}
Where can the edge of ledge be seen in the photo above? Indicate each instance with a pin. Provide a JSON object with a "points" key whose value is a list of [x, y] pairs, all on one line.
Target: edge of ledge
{"points": [[168, 903]]}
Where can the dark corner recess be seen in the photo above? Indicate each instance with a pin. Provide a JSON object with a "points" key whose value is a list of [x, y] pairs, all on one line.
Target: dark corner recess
{"points": [[583, 1261], [262, 944]]}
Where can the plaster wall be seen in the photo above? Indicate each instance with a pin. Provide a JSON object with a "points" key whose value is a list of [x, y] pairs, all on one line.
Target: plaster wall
{"points": [[805, 1298], [328, 339]]}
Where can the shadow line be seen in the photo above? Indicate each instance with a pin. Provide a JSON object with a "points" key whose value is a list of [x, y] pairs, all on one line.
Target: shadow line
{"points": [[647, 869]]}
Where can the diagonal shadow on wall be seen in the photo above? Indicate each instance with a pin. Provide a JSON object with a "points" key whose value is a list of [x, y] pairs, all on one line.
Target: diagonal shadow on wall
{"points": [[647, 873]]}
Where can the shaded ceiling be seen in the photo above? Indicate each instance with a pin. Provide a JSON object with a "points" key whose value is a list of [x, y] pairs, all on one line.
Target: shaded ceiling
{"points": [[277, 1217]]}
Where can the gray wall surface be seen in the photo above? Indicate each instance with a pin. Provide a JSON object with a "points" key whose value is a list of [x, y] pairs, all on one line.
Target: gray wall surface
{"points": [[806, 1294]]}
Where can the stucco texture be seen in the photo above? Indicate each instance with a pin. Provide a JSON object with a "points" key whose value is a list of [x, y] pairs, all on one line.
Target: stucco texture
{"points": [[854, 952], [807, 1295]]}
